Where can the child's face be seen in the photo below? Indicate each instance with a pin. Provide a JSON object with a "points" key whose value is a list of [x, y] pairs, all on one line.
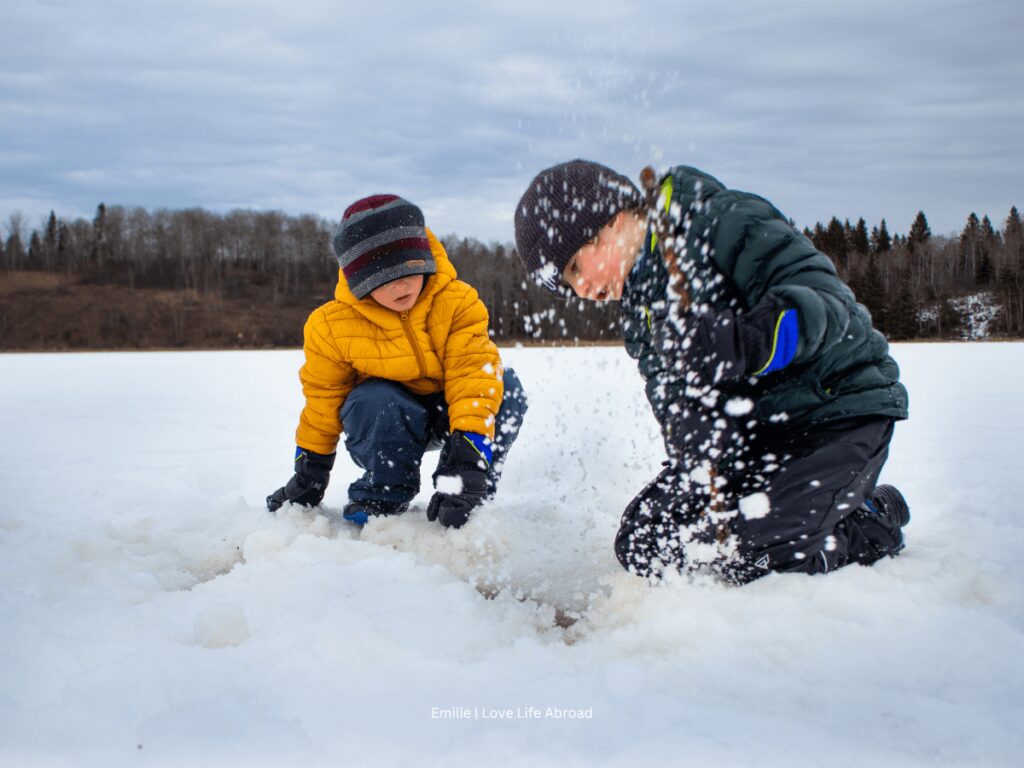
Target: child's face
{"points": [[598, 270], [399, 294]]}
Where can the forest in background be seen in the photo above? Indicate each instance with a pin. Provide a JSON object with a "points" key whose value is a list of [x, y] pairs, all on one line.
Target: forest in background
{"points": [[137, 279]]}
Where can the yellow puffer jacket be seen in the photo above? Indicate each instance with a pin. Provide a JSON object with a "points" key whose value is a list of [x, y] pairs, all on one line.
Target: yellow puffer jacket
{"points": [[441, 344]]}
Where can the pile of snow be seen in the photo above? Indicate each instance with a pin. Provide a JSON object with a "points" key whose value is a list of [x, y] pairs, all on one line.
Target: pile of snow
{"points": [[152, 613]]}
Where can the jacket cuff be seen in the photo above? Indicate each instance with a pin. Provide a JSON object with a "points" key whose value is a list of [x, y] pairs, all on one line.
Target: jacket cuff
{"points": [[480, 443], [771, 336], [312, 456]]}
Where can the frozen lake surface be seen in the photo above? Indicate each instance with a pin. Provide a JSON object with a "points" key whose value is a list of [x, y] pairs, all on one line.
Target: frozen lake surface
{"points": [[152, 613]]}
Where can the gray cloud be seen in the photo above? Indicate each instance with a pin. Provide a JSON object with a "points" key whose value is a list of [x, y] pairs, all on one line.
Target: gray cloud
{"points": [[860, 109]]}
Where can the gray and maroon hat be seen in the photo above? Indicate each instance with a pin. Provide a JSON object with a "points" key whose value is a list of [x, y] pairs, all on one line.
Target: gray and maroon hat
{"points": [[382, 238]]}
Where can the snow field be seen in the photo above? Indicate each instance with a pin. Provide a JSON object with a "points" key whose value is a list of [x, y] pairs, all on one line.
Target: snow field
{"points": [[153, 613]]}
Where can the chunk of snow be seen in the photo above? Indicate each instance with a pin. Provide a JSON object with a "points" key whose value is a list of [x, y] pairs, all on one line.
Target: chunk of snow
{"points": [[755, 506], [739, 406], [450, 484]]}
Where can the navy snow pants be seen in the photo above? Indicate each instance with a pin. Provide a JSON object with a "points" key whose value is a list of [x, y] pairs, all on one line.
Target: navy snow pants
{"points": [[388, 429], [808, 486]]}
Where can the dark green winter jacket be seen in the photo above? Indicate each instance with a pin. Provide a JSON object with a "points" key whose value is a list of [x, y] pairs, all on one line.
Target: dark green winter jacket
{"points": [[736, 249]]}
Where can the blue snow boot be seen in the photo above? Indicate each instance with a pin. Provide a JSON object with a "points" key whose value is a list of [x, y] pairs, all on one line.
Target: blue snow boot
{"points": [[359, 512]]}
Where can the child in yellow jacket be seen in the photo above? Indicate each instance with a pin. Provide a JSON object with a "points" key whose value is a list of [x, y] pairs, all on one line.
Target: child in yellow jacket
{"points": [[401, 362]]}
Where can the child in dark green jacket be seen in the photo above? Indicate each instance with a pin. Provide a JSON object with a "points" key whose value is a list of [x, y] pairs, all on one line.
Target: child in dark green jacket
{"points": [[775, 394]]}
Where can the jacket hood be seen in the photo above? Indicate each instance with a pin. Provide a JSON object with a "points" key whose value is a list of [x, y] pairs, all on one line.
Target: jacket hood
{"points": [[691, 183]]}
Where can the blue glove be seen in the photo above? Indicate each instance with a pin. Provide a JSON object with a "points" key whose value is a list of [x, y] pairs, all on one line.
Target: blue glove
{"points": [[307, 486], [468, 458]]}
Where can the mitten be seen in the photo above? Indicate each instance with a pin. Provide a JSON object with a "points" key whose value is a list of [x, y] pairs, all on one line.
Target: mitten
{"points": [[307, 486], [464, 479]]}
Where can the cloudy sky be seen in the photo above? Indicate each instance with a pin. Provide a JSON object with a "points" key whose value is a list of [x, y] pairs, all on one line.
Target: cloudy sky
{"points": [[850, 107]]}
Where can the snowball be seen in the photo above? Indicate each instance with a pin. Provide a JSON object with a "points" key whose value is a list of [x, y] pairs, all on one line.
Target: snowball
{"points": [[755, 506]]}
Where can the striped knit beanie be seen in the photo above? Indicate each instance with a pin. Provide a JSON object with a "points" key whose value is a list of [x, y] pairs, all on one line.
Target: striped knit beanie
{"points": [[382, 238], [562, 209]]}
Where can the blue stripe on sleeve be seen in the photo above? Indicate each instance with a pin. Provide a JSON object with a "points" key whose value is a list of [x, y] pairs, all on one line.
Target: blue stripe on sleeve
{"points": [[787, 336], [481, 443]]}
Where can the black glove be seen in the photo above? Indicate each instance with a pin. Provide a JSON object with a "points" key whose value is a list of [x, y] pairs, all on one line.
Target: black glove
{"points": [[307, 486], [467, 459], [723, 345]]}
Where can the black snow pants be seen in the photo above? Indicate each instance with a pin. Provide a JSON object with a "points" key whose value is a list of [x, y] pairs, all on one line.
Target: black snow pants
{"points": [[790, 504]]}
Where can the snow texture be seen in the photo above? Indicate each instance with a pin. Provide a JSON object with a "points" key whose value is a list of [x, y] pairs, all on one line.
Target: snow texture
{"points": [[979, 311], [152, 613]]}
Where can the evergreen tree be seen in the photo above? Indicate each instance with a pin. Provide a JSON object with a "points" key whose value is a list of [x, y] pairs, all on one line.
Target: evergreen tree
{"points": [[903, 310], [919, 235], [818, 237], [988, 243], [848, 233], [859, 239], [835, 238], [1014, 230], [880, 240], [1011, 275], [872, 294], [50, 241], [969, 243], [835, 246], [983, 269], [988, 233], [63, 258]]}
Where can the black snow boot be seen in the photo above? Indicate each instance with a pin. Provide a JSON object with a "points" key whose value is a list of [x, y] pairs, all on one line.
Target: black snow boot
{"points": [[890, 504], [875, 527]]}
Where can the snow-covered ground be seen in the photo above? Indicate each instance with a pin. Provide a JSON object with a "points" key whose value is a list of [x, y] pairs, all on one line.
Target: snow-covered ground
{"points": [[152, 613]]}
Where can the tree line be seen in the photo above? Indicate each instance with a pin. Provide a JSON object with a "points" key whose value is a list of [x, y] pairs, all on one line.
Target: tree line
{"points": [[915, 285]]}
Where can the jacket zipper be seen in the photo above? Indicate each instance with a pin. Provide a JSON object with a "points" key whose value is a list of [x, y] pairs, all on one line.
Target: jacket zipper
{"points": [[407, 327]]}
